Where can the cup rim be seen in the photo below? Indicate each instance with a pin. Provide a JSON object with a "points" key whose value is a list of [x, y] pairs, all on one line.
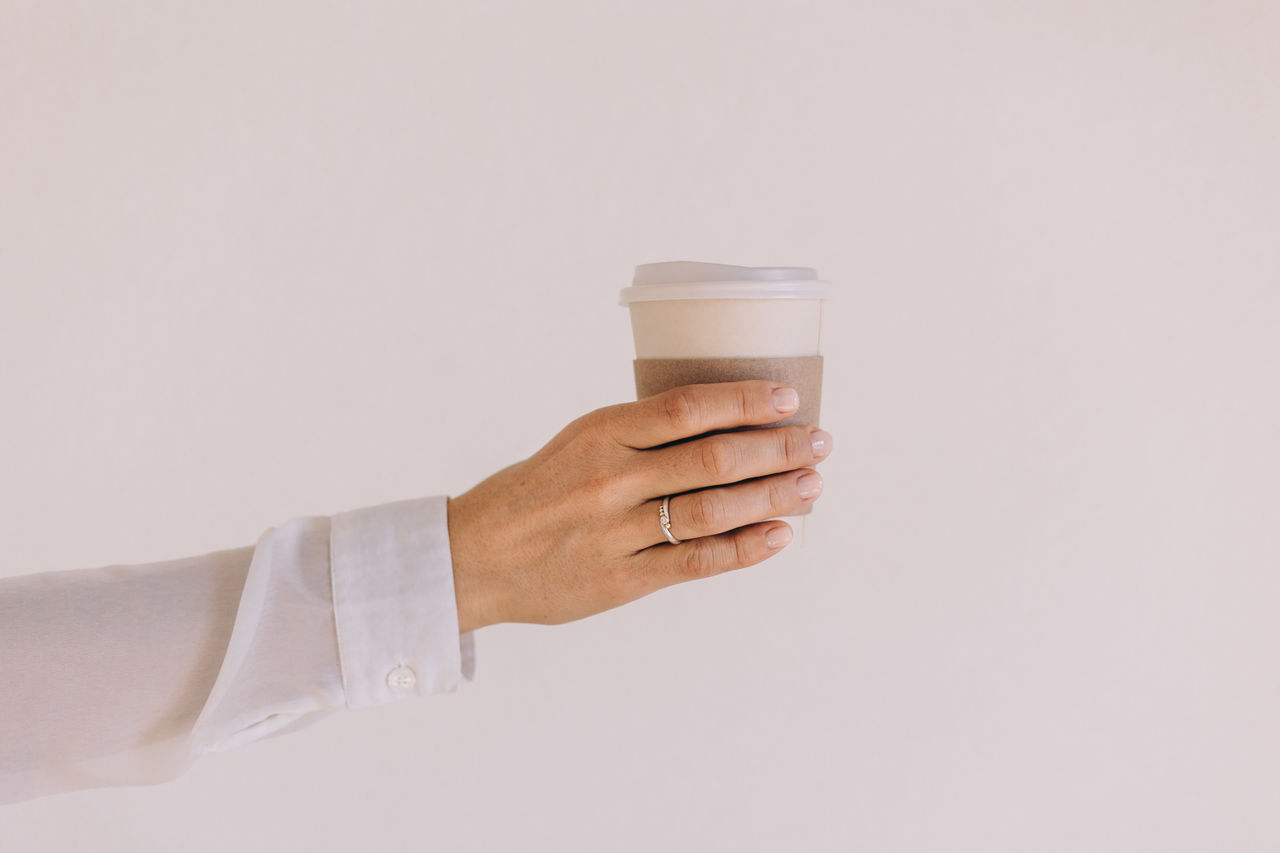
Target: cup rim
{"points": [[739, 289]]}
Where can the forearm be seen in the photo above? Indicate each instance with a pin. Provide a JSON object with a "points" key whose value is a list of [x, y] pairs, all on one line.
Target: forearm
{"points": [[124, 675], [99, 661]]}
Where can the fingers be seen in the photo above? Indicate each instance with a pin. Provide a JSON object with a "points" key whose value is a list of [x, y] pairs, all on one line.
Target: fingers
{"points": [[666, 564], [712, 511], [731, 457], [695, 409]]}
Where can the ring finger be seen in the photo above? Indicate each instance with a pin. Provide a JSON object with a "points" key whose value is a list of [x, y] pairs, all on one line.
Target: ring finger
{"points": [[711, 511]]}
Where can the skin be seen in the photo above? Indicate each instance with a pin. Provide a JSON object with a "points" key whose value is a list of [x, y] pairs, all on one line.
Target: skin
{"points": [[573, 530]]}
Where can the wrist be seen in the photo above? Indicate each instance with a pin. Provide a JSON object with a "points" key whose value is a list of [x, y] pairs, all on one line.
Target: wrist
{"points": [[472, 594]]}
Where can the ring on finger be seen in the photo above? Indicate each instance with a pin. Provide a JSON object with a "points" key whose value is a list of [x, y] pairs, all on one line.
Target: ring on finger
{"points": [[664, 519]]}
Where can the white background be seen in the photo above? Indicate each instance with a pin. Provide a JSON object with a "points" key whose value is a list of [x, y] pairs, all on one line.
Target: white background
{"points": [[261, 260]]}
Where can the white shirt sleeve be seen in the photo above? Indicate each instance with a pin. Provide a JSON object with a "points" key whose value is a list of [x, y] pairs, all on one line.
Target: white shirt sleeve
{"points": [[125, 675]]}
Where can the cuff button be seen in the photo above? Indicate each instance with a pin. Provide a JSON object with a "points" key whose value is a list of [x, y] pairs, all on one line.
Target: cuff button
{"points": [[401, 678]]}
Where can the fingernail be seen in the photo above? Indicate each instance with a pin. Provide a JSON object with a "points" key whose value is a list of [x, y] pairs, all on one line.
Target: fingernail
{"points": [[809, 485], [777, 537], [786, 399], [821, 442]]}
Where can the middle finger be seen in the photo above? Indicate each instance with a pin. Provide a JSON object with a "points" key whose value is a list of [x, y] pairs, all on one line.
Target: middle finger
{"points": [[730, 457]]}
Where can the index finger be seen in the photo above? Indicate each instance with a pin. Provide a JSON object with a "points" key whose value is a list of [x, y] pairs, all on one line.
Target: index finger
{"points": [[696, 409]]}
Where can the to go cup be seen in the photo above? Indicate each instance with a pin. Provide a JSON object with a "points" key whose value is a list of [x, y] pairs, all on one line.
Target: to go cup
{"points": [[701, 322]]}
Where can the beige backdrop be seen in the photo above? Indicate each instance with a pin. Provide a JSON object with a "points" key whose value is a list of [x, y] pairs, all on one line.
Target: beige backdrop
{"points": [[260, 260]]}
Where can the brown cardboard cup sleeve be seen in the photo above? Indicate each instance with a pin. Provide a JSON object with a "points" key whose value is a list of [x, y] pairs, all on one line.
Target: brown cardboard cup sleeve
{"points": [[655, 375]]}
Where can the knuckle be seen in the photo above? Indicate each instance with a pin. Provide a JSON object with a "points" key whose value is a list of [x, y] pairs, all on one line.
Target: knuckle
{"points": [[743, 553], [706, 511], [596, 419], [744, 405], [589, 427], [592, 419], [597, 431], [796, 448], [779, 495], [604, 489], [682, 410], [584, 449], [698, 559], [718, 457]]}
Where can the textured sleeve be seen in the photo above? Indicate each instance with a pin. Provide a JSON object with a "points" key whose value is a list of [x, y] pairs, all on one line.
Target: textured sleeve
{"points": [[125, 675]]}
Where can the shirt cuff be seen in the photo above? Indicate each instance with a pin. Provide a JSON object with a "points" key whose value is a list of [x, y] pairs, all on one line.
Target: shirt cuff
{"points": [[394, 606]]}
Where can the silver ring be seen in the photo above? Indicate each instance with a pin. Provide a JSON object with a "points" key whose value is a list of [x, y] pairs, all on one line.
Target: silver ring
{"points": [[664, 518]]}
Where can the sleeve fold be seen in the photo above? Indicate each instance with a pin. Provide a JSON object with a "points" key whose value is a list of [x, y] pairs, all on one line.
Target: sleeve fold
{"points": [[126, 675]]}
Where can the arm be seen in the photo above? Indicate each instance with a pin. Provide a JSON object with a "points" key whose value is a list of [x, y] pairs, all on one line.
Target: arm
{"points": [[125, 675]]}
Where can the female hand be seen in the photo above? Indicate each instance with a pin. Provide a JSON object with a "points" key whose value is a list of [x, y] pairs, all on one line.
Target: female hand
{"points": [[573, 529]]}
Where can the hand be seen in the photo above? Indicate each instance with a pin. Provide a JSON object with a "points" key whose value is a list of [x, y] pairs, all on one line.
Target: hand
{"points": [[573, 529]]}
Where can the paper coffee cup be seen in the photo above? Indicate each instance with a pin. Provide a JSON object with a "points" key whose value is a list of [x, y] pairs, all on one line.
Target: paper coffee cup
{"points": [[701, 322]]}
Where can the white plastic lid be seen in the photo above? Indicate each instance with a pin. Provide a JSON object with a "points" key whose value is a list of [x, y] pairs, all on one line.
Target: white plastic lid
{"points": [[696, 280]]}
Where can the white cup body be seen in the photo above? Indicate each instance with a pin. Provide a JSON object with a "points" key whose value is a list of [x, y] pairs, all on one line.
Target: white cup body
{"points": [[727, 328], [692, 309]]}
